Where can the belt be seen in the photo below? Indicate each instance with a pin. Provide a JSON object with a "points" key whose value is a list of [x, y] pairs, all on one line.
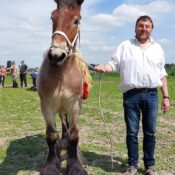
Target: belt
{"points": [[143, 90]]}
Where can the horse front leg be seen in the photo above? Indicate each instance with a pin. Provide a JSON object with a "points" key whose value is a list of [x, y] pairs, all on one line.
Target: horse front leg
{"points": [[53, 162], [74, 165]]}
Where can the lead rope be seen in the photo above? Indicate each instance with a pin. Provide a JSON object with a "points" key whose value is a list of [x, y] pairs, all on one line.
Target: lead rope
{"points": [[102, 116], [101, 112]]}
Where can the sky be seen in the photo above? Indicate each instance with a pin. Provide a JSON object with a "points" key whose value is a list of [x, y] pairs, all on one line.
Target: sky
{"points": [[26, 28]]}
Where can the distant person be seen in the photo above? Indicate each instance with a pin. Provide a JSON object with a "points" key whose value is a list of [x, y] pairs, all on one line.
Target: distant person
{"points": [[33, 75], [3, 73], [140, 62], [14, 71], [9, 63], [23, 74], [0, 75]]}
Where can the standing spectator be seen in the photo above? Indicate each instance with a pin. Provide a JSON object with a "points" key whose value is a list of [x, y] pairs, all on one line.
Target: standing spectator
{"points": [[9, 63], [14, 71], [0, 74], [33, 75], [23, 73], [3, 74]]}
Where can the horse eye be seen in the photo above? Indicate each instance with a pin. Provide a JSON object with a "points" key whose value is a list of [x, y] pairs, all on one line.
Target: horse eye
{"points": [[77, 22]]}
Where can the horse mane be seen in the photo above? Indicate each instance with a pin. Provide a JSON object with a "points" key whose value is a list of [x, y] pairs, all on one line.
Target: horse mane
{"points": [[69, 3]]}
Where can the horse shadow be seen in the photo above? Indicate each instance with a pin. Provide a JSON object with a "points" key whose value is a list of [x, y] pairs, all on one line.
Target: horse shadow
{"points": [[24, 154], [30, 153], [104, 162]]}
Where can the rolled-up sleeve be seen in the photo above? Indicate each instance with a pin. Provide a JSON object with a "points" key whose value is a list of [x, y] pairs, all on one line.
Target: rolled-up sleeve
{"points": [[163, 72]]}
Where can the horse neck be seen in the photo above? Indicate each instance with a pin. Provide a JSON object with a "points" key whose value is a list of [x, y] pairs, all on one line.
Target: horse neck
{"points": [[70, 62]]}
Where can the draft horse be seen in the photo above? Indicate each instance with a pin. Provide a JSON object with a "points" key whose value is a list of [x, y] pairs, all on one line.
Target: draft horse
{"points": [[60, 88]]}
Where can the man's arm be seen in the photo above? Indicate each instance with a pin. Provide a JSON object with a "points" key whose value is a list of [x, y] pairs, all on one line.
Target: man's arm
{"points": [[166, 99]]}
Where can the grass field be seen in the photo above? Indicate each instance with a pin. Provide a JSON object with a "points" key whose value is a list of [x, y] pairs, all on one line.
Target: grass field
{"points": [[23, 148]]}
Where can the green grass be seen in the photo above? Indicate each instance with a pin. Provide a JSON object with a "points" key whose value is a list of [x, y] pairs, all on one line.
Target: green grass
{"points": [[23, 149]]}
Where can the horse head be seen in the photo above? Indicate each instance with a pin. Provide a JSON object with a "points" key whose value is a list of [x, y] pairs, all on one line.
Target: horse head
{"points": [[66, 20]]}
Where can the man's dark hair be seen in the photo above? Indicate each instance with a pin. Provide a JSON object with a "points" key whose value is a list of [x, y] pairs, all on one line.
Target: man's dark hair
{"points": [[145, 18]]}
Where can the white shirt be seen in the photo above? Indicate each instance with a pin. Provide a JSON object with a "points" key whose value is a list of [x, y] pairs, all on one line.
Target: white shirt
{"points": [[139, 67]]}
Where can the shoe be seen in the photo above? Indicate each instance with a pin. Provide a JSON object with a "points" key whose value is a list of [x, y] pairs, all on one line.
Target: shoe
{"points": [[131, 171], [150, 171]]}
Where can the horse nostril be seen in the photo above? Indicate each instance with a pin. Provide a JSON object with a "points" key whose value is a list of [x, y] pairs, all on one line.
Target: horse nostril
{"points": [[63, 55], [50, 55]]}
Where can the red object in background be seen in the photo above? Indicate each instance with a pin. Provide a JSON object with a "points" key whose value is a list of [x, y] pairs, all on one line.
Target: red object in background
{"points": [[85, 90]]}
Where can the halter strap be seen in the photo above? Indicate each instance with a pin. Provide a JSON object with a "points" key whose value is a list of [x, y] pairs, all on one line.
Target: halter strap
{"points": [[65, 36]]}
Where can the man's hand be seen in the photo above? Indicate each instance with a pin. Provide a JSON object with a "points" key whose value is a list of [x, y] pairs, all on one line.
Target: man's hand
{"points": [[165, 106], [103, 68]]}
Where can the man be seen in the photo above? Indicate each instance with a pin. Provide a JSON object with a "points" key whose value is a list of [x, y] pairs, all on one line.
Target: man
{"points": [[23, 73], [140, 62], [14, 71]]}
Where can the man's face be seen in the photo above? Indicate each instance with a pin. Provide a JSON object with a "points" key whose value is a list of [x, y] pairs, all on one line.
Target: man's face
{"points": [[143, 30]]}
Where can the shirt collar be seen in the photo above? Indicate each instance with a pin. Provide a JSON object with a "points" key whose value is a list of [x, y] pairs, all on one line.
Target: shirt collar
{"points": [[151, 40]]}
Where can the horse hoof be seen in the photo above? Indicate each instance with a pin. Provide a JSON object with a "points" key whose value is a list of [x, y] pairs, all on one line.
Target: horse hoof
{"points": [[50, 170], [64, 144], [76, 170]]}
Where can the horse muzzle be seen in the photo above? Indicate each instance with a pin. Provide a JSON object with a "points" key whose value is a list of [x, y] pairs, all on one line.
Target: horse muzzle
{"points": [[57, 56]]}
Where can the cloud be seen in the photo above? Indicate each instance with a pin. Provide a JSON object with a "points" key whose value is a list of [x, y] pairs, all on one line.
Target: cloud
{"points": [[25, 28], [164, 41], [128, 13], [102, 32]]}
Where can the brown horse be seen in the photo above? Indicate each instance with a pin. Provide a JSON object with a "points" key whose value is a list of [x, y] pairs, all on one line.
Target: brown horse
{"points": [[60, 87]]}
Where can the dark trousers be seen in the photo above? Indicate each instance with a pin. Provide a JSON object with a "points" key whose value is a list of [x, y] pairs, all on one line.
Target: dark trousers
{"points": [[2, 80], [137, 102], [23, 79], [15, 83], [34, 82]]}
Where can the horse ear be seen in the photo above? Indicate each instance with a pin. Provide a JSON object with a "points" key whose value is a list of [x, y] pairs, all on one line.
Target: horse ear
{"points": [[80, 2], [57, 1]]}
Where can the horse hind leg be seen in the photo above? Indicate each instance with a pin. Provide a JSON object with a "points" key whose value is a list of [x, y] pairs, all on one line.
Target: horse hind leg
{"points": [[74, 165], [53, 162]]}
